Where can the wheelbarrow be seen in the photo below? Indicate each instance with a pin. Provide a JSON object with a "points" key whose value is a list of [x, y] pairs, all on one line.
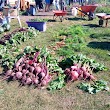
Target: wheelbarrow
{"points": [[87, 10], [103, 17], [60, 14]]}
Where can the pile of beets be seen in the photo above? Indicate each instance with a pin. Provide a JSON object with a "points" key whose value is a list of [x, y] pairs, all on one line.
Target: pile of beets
{"points": [[29, 71], [77, 71]]}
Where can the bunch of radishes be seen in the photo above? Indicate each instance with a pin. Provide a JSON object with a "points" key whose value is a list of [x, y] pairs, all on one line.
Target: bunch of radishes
{"points": [[78, 71], [29, 71]]}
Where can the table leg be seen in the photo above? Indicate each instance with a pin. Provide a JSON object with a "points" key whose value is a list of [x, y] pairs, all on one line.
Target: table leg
{"points": [[106, 22], [101, 22]]}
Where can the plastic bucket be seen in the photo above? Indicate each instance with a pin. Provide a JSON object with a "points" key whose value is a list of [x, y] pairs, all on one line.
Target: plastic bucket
{"points": [[41, 26], [74, 11]]}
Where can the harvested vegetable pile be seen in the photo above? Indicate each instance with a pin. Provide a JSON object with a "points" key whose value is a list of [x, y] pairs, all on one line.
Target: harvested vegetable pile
{"points": [[79, 67], [10, 50], [37, 66], [82, 60], [28, 70], [76, 72], [20, 30]]}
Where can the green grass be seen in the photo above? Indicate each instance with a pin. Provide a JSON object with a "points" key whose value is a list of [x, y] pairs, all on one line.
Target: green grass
{"points": [[13, 97]]}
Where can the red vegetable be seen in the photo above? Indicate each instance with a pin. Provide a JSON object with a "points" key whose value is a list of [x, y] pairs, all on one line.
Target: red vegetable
{"points": [[18, 62], [79, 71], [92, 77], [38, 69], [47, 78], [74, 68], [9, 72], [86, 75], [30, 62], [24, 71], [13, 74], [21, 60], [74, 75], [42, 74], [20, 68], [35, 64], [43, 82], [83, 68], [67, 71], [35, 80], [28, 80], [31, 68], [23, 79], [18, 75]]}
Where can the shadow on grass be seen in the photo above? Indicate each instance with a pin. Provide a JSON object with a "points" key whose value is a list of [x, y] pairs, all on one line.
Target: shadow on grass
{"points": [[51, 20], [92, 25], [100, 45], [76, 19], [101, 35]]}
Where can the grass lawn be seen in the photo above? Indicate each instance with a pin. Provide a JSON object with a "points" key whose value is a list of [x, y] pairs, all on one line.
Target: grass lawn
{"points": [[13, 97]]}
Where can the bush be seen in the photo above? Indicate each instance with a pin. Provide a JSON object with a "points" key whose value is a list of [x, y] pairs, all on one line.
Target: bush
{"points": [[102, 9]]}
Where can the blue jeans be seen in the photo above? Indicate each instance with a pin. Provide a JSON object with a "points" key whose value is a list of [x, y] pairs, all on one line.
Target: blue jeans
{"points": [[56, 4]]}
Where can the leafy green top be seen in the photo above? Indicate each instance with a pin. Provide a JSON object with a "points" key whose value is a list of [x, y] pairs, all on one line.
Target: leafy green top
{"points": [[38, 20]]}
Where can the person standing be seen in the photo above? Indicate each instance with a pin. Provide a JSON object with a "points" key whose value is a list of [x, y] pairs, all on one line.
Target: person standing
{"points": [[63, 5], [39, 4], [22, 5], [81, 2], [1, 5], [68, 2], [56, 4], [48, 4]]}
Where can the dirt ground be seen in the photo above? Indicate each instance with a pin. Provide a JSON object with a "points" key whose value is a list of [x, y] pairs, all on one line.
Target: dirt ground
{"points": [[38, 15]]}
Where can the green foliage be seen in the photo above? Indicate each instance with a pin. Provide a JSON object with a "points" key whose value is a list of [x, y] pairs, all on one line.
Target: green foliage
{"points": [[52, 64], [10, 50], [75, 40], [76, 30], [4, 27], [58, 83], [98, 86], [1, 30], [65, 51], [38, 20], [32, 32], [82, 59], [28, 49], [103, 9], [73, 30]]}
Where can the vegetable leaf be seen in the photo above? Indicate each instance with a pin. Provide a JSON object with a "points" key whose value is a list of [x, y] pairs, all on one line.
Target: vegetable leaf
{"points": [[57, 83], [94, 88]]}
